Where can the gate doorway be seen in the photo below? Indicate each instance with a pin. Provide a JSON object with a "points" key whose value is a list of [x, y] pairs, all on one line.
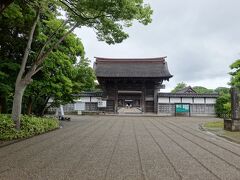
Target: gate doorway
{"points": [[129, 101]]}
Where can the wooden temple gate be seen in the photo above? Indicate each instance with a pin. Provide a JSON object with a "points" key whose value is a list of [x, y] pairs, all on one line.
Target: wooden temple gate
{"points": [[131, 82]]}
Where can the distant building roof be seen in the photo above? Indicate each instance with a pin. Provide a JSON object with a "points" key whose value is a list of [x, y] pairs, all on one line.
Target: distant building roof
{"points": [[188, 89], [188, 92], [214, 95], [90, 94], [147, 67]]}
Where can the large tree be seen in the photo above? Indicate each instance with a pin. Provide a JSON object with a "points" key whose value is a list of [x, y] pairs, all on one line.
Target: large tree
{"points": [[13, 29], [108, 18]]}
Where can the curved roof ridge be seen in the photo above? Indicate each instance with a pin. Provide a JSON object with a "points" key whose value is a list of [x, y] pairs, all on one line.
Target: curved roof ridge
{"points": [[151, 68], [131, 59]]}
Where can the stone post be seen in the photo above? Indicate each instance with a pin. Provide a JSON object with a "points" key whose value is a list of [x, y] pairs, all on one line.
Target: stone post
{"points": [[233, 124], [234, 103]]}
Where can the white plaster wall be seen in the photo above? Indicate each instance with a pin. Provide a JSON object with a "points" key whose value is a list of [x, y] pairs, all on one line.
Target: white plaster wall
{"points": [[95, 99], [187, 100], [163, 100], [149, 98], [84, 99], [175, 100], [87, 99], [198, 100], [210, 100], [79, 106]]}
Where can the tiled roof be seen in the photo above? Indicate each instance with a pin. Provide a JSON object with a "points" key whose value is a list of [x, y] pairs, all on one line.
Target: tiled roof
{"points": [[147, 67], [188, 89], [214, 95], [89, 94]]}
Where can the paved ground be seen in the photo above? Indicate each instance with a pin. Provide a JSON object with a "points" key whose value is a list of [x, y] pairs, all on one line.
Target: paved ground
{"points": [[132, 110], [116, 147]]}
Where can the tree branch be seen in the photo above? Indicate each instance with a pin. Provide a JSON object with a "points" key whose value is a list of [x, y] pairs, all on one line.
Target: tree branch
{"points": [[28, 48], [68, 4], [41, 59], [51, 38], [37, 64]]}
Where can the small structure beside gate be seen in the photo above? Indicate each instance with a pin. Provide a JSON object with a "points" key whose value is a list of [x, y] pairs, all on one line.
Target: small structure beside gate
{"points": [[186, 102]]}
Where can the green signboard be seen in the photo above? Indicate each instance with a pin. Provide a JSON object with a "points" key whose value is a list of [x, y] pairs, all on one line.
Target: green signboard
{"points": [[182, 108]]}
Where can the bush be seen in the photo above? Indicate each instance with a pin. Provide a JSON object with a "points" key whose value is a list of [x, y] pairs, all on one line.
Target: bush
{"points": [[30, 126], [223, 106]]}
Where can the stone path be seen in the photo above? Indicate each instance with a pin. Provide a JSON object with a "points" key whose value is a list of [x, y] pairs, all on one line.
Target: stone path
{"points": [[116, 147], [132, 110]]}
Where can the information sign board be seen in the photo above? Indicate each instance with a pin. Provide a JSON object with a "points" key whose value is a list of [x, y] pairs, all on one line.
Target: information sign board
{"points": [[102, 103], [182, 108]]}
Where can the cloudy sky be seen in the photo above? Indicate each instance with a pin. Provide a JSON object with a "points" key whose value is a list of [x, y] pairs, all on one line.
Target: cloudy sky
{"points": [[200, 38]]}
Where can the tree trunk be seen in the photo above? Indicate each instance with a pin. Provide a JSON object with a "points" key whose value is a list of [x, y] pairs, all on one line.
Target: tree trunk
{"points": [[17, 103], [22, 82], [45, 107], [29, 106], [3, 104], [25, 78]]}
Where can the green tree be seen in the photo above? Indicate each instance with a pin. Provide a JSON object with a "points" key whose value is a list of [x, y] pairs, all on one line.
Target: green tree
{"points": [[202, 90], [222, 106], [107, 18], [61, 75], [13, 27], [222, 90], [179, 87], [84, 78]]}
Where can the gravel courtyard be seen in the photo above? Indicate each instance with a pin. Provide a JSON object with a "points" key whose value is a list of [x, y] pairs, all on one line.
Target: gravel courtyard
{"points": [[119, 147]]}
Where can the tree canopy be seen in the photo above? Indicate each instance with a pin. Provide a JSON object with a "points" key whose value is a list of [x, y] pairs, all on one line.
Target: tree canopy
{"points": [[57, 78], [107, 18], [179, 87], [202, 90], [235, 74], [198, 89]]}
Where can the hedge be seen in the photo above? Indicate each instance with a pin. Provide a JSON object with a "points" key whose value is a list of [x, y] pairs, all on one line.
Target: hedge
{"points": [[30, 126]]}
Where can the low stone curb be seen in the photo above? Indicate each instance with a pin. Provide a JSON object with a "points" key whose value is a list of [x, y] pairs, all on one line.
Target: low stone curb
{"points": [[7, 143], [202, 128]]}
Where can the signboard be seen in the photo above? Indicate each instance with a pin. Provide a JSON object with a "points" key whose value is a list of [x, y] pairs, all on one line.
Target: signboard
{"points": [[182, 108], [79, 106], [102, 103]]}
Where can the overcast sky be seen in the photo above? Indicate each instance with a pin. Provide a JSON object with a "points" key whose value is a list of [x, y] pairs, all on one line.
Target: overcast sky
{"points": [[200, 38]]}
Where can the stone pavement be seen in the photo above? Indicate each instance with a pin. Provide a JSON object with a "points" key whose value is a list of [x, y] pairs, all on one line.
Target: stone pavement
{"points": [[120, 147], [132, 110]]}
